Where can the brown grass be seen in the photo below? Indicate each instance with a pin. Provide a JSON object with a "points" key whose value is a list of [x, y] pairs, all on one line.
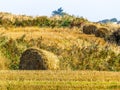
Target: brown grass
{"points": [[46, 80], [48, 34], [3, 62]]}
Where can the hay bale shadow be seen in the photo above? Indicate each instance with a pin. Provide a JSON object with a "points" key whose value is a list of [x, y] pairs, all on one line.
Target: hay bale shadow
{"points": [[38, 59]]}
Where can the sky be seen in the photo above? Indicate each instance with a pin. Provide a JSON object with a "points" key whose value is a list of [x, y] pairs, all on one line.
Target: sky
{"points": [[93, 10]]}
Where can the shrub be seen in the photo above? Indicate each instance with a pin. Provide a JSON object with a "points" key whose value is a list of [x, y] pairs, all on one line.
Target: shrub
{"points": [[41, 21], [12, 52], [65, 23], [77, 22], [114, 63]]}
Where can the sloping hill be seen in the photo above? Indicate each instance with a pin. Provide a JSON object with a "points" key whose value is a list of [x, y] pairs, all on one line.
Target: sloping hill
{"points": [[78, 43], [75, 49]]}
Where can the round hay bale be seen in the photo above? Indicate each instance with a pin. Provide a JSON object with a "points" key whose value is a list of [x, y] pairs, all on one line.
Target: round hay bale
{"points": [[101, 32], [116, 36], [89, 29], [38, 59]]}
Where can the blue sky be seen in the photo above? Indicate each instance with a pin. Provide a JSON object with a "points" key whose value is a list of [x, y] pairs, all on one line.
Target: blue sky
{"points": [[93, 10]]}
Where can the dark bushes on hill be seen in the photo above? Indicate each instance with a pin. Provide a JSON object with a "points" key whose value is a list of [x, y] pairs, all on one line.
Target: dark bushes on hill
{"points": [[41, 21]]}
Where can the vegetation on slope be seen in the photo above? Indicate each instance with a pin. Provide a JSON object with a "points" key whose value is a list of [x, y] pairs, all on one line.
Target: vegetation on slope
{"points": [[77, 51], [10, 20], [78, 43]]}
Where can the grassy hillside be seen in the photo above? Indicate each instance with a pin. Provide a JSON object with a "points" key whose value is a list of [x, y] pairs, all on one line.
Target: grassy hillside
{"points": [[75, 50], [78, 43], [88, 52]]}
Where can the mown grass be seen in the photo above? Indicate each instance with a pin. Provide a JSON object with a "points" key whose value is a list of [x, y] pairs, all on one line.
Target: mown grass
{"points": [[59, 80]]}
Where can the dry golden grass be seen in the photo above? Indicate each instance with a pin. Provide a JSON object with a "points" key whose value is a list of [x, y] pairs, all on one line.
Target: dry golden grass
{"points": [[57, 80], [48, 34], [3, 62], [64, 42], [113, 27]]}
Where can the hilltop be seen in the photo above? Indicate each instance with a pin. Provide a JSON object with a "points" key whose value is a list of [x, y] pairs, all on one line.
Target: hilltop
{"points": [[78, 43]]}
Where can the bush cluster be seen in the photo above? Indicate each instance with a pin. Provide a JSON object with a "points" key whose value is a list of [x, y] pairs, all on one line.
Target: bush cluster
{"points": [[7, 19]]}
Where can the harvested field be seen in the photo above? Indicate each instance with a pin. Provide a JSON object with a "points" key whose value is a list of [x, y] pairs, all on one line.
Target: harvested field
{"points": [[46, 80]]}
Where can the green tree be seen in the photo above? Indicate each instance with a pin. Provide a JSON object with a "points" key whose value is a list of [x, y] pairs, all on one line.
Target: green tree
{"points": [[59, 12]]}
